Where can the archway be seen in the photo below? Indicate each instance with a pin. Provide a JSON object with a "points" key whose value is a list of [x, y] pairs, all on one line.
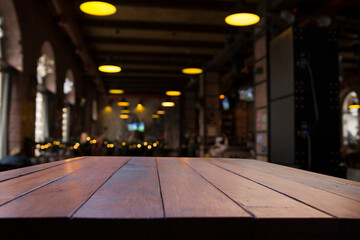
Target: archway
{"points": [[46, 86]]}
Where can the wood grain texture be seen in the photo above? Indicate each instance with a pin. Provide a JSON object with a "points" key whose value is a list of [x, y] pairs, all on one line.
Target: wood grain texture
{"points": [[337, 187], [261, 201], [62, 197], [132, 192], [330, 203], [6, 175], [186, 194], [21, 185]]}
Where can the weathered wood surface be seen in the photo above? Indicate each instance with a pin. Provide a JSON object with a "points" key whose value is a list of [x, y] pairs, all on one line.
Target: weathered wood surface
{"points": [[175, 198]]}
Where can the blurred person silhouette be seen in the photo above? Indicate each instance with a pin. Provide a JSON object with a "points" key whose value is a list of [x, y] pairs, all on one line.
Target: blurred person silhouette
{"points": [[218, 148]]}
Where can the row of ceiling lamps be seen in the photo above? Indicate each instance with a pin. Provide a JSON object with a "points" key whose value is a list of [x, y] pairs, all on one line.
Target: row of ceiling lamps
{"points": [[100, 8]]}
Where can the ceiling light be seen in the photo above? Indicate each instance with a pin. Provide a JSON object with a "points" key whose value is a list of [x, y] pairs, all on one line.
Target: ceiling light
{"points": [[139, 107], [98, 8], [242, 19], [354, 106], [173, 93], [123, 103], [106, 68], [167, 104], [192, 70], [126, 111], [155, 116], [160, 112], [116, 91], [124, 116], [221, 96]]}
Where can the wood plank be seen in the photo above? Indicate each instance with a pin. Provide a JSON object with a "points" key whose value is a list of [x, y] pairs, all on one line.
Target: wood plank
{"points": [[186, 194], [6, 175], [62, 197], [16, 187], [317, 198], [132, 192], [336, 187], [195, 209], [268, 206], [261, 201], [306, 173], [130, 200]]}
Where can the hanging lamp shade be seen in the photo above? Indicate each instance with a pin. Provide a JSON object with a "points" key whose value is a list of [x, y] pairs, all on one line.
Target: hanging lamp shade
{"points": [[97, 8], [192, 69], [167, 103], [116, 91], [160, 111], [109, 66], [242, 16], [173, 93], [123, 103], [125, 110]]}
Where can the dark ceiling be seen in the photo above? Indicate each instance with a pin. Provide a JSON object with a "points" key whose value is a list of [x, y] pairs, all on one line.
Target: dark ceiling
{"points": [[152, 40]]}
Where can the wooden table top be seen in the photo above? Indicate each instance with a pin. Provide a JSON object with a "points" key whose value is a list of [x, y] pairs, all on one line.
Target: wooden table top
{"points": [[175, 198]]}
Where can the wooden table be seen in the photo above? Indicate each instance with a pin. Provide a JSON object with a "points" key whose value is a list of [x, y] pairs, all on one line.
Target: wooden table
{"points": [[175, 198]]}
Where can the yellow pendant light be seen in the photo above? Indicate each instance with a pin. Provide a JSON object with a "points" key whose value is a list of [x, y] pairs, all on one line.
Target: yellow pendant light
{"points": [[155, 116], [173, 93], [242, 16], [192, 70], [124, 116], [167, 104], [242, 19], [116, 91], [107, 68], [354, 106], [160, 111], [123, 103], [98, 8], [125, 111]]}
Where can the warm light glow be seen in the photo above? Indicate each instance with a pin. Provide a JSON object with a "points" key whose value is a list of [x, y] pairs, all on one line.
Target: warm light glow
{"points": [[242, 19], [116, 91], [192, 71], [145, 143], [124, 116], [354, 106], [149, 147], [155, 116], [173, 93], [221, 96], [125, 111], [123, 104], [98, 8], [160, 112], [123, 143], [139, 107], [108, 109], [139, 145], [109, 68], [167, 104]]}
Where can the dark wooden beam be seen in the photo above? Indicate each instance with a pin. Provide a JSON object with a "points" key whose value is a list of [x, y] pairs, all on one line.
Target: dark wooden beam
{"points": [[152, 55], [157, 42], [160, 26], [149, 71], [215, 5], [157, 62], [148, 79]]}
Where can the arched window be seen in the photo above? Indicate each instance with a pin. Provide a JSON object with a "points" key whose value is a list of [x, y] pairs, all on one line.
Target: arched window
{"points": [[69, 93], [350, 120], [46, 85]]}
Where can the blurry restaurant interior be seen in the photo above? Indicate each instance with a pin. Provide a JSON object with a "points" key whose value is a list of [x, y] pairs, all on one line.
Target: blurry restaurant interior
{"points": [[271, 80]]}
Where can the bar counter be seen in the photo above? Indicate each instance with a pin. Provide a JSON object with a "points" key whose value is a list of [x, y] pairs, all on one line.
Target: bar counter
{"points": [[175, 198]]}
